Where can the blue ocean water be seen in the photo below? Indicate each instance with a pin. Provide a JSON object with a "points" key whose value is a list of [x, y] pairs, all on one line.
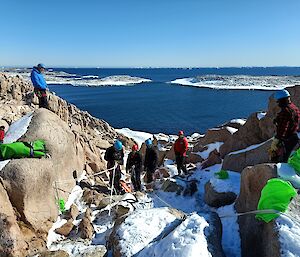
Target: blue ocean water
{"points": [[161, 107]]}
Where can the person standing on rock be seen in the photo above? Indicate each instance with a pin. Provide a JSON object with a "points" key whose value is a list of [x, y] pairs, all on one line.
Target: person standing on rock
{"points": [[134, 165], [114, 156], [287, 124], [40, 85], [2, 134], [151, 160], [180, 148]]}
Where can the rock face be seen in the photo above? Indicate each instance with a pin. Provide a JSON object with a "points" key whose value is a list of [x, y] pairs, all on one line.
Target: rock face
{"points": [[214, 235], [36, 178], [217, 135], [216, 199], [258, 239], [239, 161]]}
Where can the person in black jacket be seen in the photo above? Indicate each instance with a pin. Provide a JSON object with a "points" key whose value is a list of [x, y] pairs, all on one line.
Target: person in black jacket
{"points": [[134, 166], [113, 155], [151, 160]]}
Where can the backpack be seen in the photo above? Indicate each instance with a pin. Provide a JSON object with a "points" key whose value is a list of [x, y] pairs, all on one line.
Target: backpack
{"points": [[17, 150]]}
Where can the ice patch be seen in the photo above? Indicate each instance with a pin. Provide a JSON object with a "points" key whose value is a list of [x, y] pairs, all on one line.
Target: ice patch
{"points": [[239, 82]]}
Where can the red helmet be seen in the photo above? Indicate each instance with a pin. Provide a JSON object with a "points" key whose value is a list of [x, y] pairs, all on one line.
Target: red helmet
{"points": [[135, 147], [180, 133]]}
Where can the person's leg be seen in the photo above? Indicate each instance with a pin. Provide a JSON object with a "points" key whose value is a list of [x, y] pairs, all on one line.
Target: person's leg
{"points": [[149, 176], [44, 100], [138, 180], [183, 167], [133, 181], [117, 179], [178, 163], [289, 145]]}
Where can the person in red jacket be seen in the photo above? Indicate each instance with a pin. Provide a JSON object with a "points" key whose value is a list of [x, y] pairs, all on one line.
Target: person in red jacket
{"points": [[180, 149], [2, 134], [287, 125]]}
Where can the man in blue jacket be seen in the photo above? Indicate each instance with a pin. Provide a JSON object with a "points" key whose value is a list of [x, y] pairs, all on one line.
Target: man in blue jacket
{"points": [[40, 85]]}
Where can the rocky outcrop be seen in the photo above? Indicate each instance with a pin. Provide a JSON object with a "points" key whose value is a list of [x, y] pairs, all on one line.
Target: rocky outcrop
{"points": [[12, 242], [217, 199], [241, 159], [221, 134], [35, 178], [257, 238], [213, 158]]}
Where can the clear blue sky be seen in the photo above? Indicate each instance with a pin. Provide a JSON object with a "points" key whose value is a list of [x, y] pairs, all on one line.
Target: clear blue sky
{"points": [[164, 33]]}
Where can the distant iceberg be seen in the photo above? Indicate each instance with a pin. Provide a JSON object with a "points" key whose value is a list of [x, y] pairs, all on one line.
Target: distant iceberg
{"points": [[239, 82]]}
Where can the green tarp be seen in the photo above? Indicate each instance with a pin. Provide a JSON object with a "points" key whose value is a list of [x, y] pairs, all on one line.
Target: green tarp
{"points": [[19, 150], [276, 195], [294, 161]]}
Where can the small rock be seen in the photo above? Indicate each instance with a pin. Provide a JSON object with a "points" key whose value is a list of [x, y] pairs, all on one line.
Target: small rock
{"points": [[65, 229], [171, 186]]}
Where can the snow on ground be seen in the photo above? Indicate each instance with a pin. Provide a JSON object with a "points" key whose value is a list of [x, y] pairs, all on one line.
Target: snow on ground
{"points": [[239, 121], [204, 155], [93, 81], [231, 129], [239, 82], [137, 136], [231, 240], [142, 227], [232, 184], [185, 241], [15, 131], [286, 172], [261, 115], [289, 235]]}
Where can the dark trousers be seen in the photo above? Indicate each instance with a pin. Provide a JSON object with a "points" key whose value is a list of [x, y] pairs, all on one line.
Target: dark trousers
{"points": [[180, 161], [116, 182], [287, 146], [42, 96], [136, 179], [149, 173]]}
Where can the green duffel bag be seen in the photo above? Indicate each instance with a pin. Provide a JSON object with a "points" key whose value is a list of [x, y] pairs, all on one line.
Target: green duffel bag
{"points": [[276, 195], [294, 161], [17, 150]]}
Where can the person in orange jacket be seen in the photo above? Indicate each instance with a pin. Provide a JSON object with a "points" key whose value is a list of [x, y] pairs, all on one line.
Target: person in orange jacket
{"points": [[180, 149]]}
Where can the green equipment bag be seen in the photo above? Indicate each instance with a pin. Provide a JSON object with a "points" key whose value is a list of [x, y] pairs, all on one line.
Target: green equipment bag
{"points": [[276, 195], [294, 161], [17, 150], [222, 174]]}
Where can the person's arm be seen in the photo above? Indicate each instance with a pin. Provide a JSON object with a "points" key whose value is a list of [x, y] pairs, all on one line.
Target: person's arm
{"points": [[186, 145], [42, 82]]}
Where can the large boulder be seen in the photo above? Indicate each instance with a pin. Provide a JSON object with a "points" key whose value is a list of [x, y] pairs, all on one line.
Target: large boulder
{"points": [[248, 134], [237, 161], [36, 179], [217, 135], [11, 239], [217, 199], [258, 239]]}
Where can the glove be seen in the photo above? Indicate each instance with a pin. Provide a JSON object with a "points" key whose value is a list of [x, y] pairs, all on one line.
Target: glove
{"points": [[274, 145]]}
